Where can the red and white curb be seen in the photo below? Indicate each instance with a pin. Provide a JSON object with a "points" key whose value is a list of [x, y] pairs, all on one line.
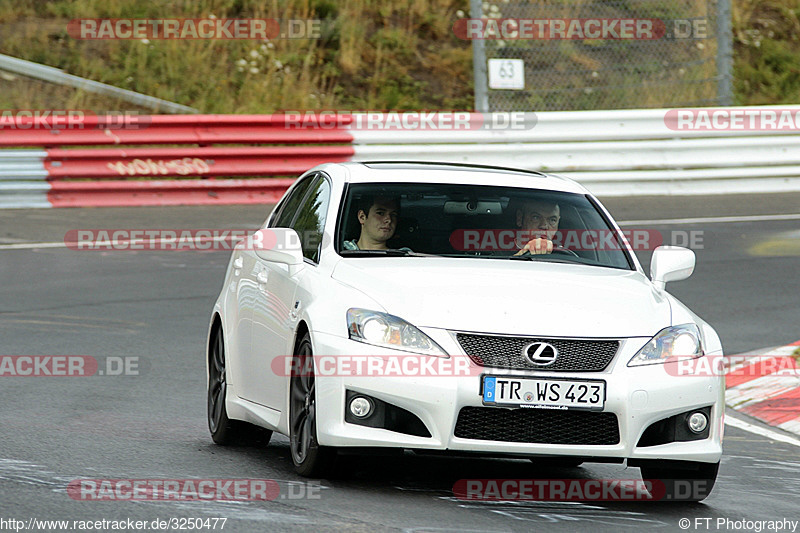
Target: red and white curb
{"points": [[766, 386]]}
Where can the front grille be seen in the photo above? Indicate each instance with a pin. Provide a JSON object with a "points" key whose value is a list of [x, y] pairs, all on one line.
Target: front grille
{"points": [[537, 426], [574, 355]]}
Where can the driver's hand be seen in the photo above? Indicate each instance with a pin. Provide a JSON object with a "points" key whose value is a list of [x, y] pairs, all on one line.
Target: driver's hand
{"points": [[537, 246]]}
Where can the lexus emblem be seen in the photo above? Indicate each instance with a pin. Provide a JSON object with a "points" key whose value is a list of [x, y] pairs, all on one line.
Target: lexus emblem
{"points": [[540, 353]]}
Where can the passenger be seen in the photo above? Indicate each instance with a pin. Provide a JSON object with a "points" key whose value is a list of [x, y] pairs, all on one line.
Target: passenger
{"points": [[541, 218], [378, 216]]}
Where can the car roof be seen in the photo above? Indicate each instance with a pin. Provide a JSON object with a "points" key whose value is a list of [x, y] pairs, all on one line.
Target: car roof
{"points": [[459, 173]]}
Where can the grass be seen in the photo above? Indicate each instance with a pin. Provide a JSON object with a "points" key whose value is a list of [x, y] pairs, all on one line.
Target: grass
{"points": [[388, 54], [368, 57], [767, 51]]}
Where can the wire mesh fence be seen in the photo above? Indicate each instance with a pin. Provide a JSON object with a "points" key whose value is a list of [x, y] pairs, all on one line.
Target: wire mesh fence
{"points": [[600, 54]]}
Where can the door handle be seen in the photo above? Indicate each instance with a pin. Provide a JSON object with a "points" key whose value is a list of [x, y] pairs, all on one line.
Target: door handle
{"points": [[262, 277], [238, 262]]}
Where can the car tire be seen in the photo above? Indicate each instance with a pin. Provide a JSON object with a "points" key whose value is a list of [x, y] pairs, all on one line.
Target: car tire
{"points": [[683, 481], [309, 457], [224, 431]]}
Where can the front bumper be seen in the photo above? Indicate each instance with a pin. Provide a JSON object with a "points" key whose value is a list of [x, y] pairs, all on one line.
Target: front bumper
{"points": [[638, 396]]}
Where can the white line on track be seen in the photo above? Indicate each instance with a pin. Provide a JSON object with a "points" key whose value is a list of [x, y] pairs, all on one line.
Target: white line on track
{"points": [[31, 245], [127, 244], [758, 430], [710, 220]]}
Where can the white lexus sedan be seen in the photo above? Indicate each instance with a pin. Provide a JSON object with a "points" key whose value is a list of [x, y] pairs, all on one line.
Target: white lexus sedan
{"points": [[461, 308]]}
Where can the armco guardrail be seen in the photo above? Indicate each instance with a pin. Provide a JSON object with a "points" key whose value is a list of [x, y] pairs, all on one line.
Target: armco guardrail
{"points": [[620, 153], [178, 162], [613, 153], [112, 175], [56, 75], [98, 130]]}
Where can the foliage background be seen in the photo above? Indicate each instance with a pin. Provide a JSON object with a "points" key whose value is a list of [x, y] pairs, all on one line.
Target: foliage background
{"points": [[390, 54]]}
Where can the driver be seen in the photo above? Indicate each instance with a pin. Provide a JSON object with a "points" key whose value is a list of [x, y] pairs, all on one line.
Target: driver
{"points": [[541, 219], [378, 217]]}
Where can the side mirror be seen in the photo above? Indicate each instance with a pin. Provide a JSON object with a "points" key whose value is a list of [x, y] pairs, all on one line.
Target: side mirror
{"points": [[671, 263], [278, 245]]}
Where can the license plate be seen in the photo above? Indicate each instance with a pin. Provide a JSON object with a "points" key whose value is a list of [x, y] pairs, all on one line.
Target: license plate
{"points": [[544, 393]]}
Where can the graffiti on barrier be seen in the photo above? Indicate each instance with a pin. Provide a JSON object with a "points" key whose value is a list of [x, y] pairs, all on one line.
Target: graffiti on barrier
{"points": [[141, 167]]}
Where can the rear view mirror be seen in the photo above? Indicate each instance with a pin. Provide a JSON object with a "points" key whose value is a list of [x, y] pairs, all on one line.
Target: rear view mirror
{"points": [[278, 245], [473, 207], [671, 263]]}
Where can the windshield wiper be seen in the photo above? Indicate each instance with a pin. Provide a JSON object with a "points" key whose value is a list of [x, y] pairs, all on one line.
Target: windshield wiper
{"points": [[390, 252], [540, 257]]}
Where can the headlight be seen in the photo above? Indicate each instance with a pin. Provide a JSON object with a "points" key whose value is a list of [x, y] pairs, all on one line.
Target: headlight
{"points": [[389, 331], [673, 344]]}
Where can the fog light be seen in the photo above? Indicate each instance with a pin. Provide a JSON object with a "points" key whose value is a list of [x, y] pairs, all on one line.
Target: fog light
{"points": [[698, 422], [360, 407]]}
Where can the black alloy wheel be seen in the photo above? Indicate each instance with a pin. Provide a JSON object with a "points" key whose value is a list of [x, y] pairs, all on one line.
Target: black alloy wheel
{"points": [[225, 431], [310, 459]]}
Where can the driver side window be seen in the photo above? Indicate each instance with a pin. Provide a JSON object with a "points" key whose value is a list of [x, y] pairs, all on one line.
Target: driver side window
{"points": [[289, 207], [310, 221]]}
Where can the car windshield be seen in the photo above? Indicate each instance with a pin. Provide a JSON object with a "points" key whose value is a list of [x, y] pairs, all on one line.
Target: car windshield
{"points": [[475, 221]]}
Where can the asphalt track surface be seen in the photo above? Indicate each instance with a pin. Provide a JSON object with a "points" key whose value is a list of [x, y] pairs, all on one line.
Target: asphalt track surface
{"points": [[155, 305]]}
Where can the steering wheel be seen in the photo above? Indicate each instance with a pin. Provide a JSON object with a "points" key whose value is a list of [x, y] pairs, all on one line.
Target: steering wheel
{"points": [[561, 250], [556, 250]]}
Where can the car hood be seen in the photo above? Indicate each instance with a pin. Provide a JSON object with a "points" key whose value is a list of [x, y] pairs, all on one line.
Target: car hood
{"points": [[510, 297]]}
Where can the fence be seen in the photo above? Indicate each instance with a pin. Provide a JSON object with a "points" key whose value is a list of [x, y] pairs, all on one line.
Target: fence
{"points": [[576, 56], [612, 153]]}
